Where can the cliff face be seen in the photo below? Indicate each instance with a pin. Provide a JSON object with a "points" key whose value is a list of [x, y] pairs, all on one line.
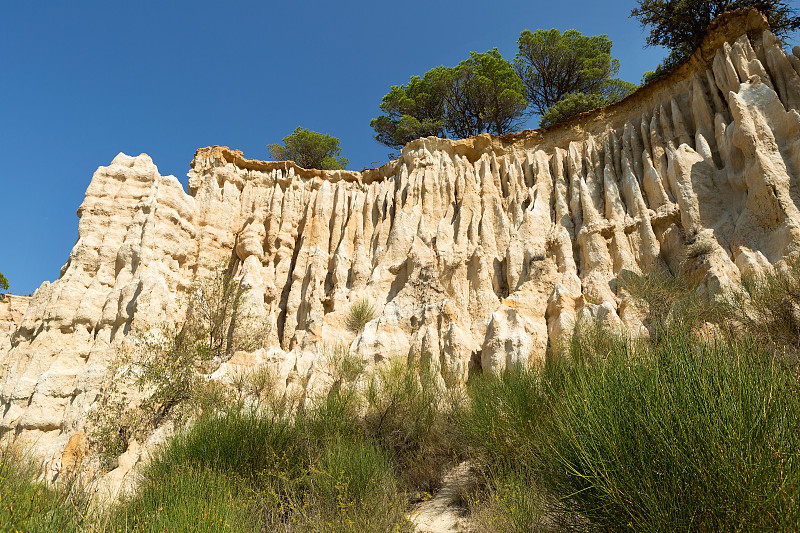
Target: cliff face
{"points": [[476, 253], [12, 308]]}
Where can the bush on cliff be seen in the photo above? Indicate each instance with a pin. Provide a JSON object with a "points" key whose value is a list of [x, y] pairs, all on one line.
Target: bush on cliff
{"points": [[310, 149], [359, 314], [169, 365]]}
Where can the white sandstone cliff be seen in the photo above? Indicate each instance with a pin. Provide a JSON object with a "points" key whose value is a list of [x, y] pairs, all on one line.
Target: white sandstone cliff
{"points": [[477, 253]]}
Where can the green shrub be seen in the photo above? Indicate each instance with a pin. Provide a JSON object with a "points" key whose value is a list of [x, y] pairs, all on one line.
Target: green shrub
{"points": [[688, 435], [671, 434], [254, 470], [332, 415], [509, 503], [168, 364], [768, 309], [349, 471], [572, 104], [341, 366], [503, 422], [170, 361], [409, 412], [359, 314]]}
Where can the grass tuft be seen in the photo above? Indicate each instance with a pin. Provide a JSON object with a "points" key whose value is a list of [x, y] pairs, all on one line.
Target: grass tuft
{"points": [[359, 314]]}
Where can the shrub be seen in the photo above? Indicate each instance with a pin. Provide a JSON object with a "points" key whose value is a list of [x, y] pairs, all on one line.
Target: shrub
{"points": [[610, 91], [768, 309], [509, 503], [341, 365], [244, 471], [571, 104], [408, 411], [669, 301], [190, 498], [359, 314], [168, 363], [310, 149], [686, 435], [672, 434], [349, 471]]}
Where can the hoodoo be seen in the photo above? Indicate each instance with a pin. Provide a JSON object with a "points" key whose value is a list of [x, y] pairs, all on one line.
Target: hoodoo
{"points": [[475, 254]]}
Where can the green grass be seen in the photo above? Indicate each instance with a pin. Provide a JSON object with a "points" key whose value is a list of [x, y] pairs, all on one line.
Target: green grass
{"points": [[244, 470], [671, 434], [679, 432], [411, 414], [28, 506]]}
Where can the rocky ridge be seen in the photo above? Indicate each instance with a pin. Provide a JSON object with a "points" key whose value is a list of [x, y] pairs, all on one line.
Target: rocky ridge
{"points": [[477, 254]]}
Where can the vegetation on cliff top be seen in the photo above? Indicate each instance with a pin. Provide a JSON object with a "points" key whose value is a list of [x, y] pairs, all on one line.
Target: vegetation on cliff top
{"points": [[554, 75], [310, 149], [681, 25], [555, 65], [486, 93], [480, 94]]}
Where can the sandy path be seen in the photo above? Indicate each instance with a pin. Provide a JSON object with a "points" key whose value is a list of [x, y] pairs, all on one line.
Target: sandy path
{"points": [[444, 512]]}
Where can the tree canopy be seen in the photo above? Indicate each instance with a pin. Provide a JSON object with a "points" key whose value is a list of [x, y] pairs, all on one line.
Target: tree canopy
{"points": [[680, 25], [412, 111], [486, 93], [480, 94], [3, 282], [310, 149], [554, 64], [568, 73]]}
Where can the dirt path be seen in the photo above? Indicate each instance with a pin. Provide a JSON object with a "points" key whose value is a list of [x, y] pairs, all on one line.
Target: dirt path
{"points": [[444, 513]]}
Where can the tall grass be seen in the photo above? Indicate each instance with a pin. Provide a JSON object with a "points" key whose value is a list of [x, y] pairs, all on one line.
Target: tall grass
{"points": [[353, 459], [677, 433], [411, 414], [29, 506], [695, 428], [687, 436], [246, 470]]}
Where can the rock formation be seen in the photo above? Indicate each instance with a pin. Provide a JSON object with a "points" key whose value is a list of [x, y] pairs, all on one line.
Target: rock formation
{"points": [[12, 307], [476, 254]]}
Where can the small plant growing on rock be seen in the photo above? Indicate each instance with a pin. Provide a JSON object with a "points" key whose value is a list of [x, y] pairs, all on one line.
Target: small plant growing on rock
{"points": [[169, 364], [699, 249], [359, 314], [341, 365]]}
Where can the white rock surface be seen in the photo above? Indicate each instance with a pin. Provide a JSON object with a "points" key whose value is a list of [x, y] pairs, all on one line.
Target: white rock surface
{"points": [[479, 252]]}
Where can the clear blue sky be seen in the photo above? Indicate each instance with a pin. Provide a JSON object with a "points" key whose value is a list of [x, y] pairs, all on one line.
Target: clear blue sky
{"points": [[81, 81]]}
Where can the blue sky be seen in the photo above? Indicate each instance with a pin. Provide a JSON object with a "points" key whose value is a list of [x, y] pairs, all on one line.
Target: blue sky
{"points": [[81, 81]]}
